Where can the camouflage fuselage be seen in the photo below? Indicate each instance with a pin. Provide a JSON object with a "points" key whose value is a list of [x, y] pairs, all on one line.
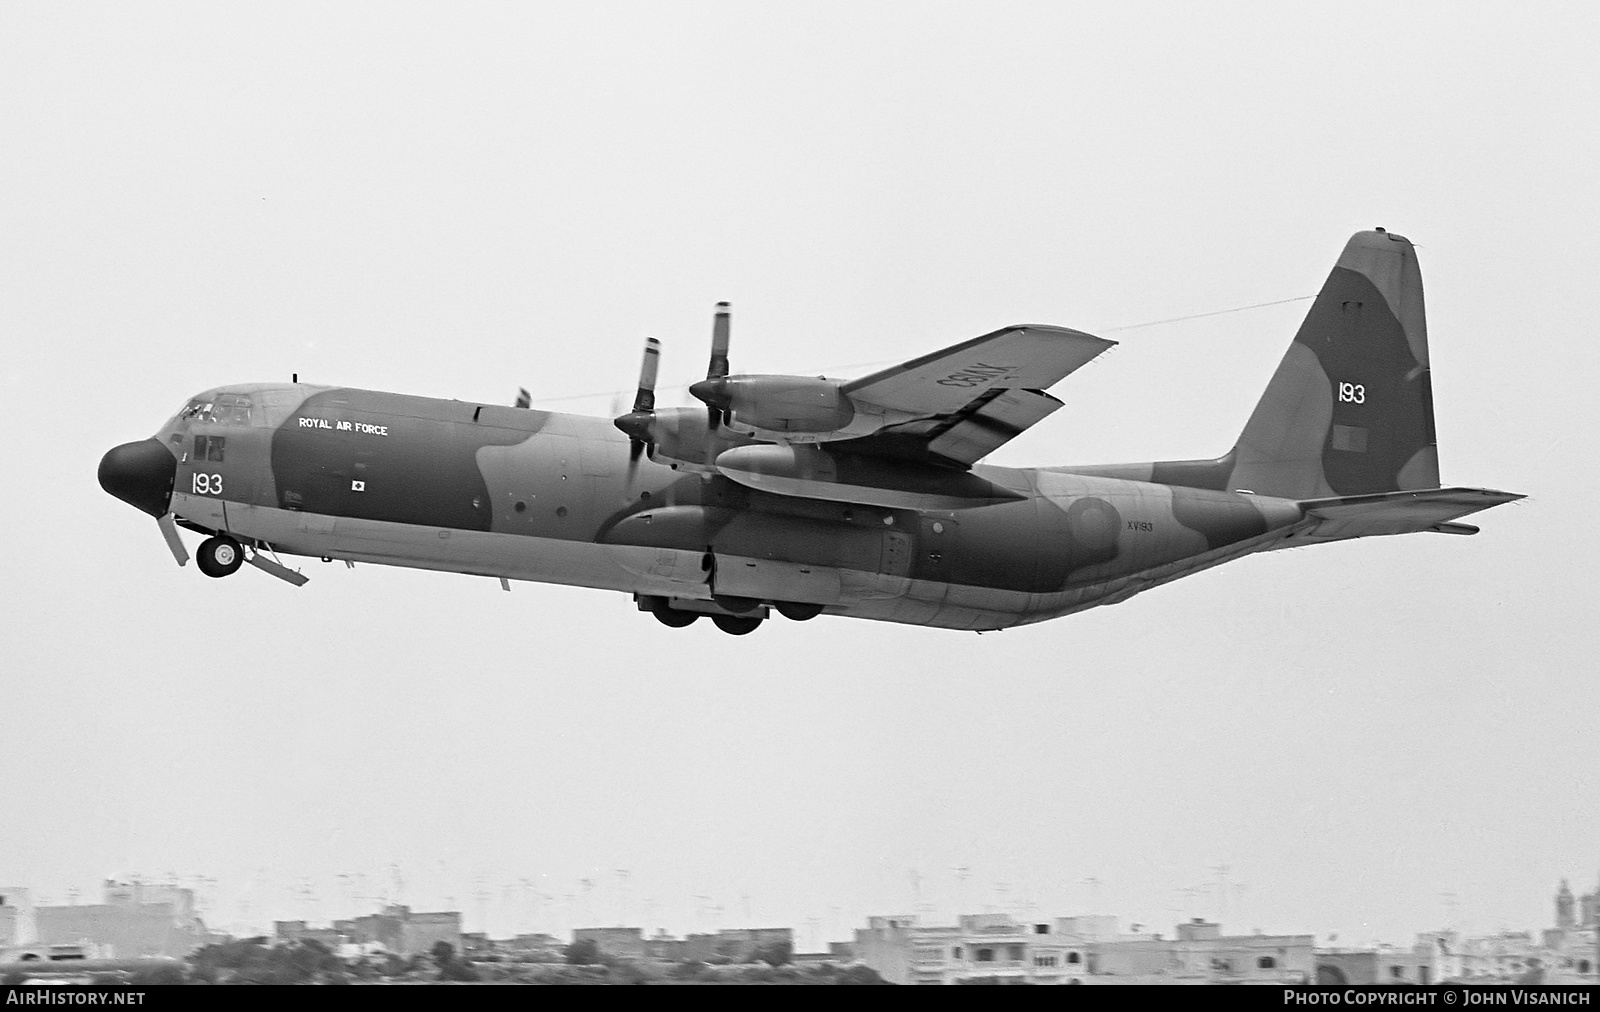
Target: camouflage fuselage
{"points": [[543, 496]]}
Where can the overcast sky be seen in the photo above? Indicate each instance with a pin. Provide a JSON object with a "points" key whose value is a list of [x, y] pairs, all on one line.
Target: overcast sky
{"points": [[459, 199]]}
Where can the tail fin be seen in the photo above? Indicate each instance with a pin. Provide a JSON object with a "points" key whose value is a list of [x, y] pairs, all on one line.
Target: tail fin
{"points": [[1350, 409]]}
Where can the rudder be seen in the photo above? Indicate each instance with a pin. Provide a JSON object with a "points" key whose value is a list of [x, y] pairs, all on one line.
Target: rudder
{"points": [[1349, 410]]}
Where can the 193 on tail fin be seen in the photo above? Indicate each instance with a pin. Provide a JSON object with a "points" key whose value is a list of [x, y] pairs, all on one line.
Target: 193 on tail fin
{"points": [[1350, 409]]}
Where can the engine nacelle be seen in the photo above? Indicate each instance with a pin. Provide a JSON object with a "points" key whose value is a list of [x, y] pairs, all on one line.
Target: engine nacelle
{"points": [[681, 436], [779, 403]]}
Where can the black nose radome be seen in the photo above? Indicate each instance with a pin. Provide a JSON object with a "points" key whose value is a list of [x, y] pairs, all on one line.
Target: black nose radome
{"points": [[141, 475]]}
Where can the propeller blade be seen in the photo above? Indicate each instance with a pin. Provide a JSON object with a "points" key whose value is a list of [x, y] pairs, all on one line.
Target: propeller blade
{"points": [[169, 531], [638, 422], [645, 399], [721, 328], [710, 389]]}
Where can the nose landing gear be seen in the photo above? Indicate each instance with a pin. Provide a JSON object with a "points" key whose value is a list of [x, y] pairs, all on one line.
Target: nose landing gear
{"points": [[219, 556]]}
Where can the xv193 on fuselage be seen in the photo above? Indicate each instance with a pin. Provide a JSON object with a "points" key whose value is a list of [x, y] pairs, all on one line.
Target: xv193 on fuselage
{"points": [[812, 496]]}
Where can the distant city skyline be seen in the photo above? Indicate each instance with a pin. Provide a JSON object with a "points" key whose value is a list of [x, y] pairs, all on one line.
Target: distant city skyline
{"points": [[529, 904]]}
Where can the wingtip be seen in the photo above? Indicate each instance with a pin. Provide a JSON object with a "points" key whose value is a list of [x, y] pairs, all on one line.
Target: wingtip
{"points": [[1053, 328]]}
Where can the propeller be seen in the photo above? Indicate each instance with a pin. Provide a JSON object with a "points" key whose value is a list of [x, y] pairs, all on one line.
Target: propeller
{"points": [[639, 422], [712, 390]]}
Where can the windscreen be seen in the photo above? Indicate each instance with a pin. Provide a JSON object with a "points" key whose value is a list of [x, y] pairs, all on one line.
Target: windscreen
{"points": [[223, 409]]}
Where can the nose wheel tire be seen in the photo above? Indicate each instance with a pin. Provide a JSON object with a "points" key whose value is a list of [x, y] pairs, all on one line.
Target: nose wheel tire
{"points": [[736, 625], [219, 556]]}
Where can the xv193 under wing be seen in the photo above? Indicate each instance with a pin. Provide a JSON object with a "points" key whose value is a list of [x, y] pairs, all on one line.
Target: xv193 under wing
{"points": [[811, 496]]}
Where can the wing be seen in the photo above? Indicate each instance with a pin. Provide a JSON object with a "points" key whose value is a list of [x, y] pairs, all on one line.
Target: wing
{"points": [[972, 397]]}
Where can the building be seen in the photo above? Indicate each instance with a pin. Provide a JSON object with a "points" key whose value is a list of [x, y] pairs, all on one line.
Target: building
{"points": [[1572, 947], [1075, 950], [398, 929], [978, 947], [1563, 954], [736, 945], [16, 917], [135, 920], [1588, 913], [531, 944], [420, 932], [621, 943], [665, 947], [1201, 953], [1382, 964], [332, 939]]}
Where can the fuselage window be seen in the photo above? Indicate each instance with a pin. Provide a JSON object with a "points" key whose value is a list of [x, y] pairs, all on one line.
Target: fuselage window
{"points": [[209, 447]]}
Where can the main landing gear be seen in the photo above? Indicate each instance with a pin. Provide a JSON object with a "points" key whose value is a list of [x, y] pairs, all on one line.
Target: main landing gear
{"points": [[740, 617], [219, 556], [737, 625], [798, 612], [677, 618], [672, 617]]}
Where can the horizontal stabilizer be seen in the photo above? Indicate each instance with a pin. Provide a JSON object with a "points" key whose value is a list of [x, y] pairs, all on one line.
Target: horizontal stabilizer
{"points": [[1360, 516]]}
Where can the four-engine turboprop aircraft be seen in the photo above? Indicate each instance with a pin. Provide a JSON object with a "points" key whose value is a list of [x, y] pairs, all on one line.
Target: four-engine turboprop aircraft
{"points": [[810, 496]]}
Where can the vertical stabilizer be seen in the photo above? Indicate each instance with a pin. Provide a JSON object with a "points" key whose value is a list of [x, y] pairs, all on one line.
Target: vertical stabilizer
{"points": [[1350, 409]]}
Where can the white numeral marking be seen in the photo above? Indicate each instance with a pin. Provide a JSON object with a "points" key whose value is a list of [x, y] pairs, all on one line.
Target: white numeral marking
{"points": [[206, 484], [1352, 393]]}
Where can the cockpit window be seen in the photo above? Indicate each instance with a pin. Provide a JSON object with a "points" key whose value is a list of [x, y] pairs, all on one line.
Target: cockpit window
{"points": [[224, 409]]}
